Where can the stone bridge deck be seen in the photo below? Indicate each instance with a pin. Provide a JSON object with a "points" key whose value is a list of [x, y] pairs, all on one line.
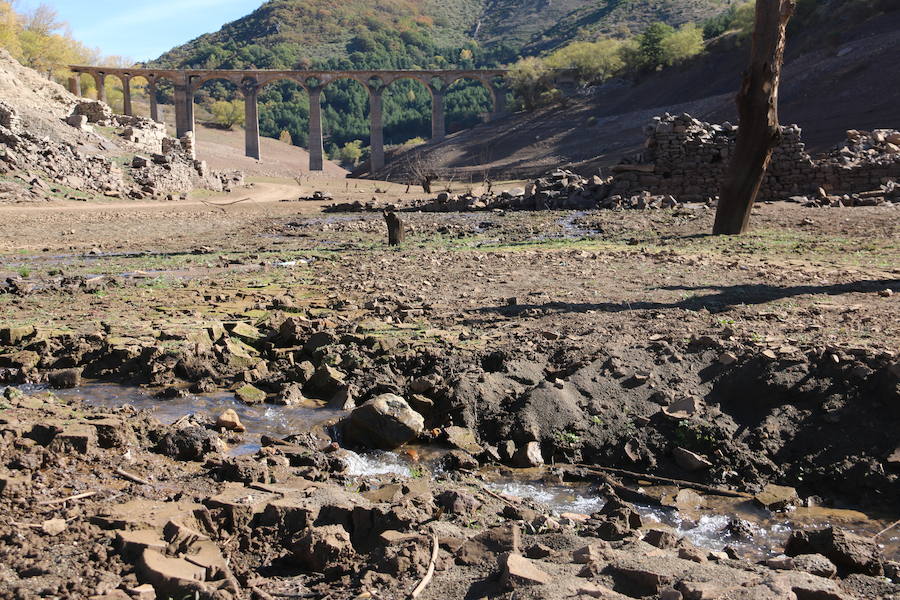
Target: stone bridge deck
{"points": [[251, 82]]}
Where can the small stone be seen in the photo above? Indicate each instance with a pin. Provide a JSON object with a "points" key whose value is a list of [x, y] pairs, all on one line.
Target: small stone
{"points": [[53, 526], [690, 461], [516, 570], [231, 421], [727, 358], [249, 394], [529, 455]]}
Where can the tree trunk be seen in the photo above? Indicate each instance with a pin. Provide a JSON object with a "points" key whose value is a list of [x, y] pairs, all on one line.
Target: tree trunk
{"points": [[757, 104], [394, 227]]}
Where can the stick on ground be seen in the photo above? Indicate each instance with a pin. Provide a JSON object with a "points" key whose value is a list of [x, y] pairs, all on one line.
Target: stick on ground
{"points": [[431, 565]]}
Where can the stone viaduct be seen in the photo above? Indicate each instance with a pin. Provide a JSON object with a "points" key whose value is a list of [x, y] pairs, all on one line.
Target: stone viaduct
{"points": [[251, 82]]}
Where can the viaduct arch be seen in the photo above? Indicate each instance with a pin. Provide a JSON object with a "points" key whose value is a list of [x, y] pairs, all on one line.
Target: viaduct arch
{"points": [[251, 82]]}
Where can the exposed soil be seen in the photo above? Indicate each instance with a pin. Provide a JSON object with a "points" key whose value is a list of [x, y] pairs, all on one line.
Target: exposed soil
{"points": [[575, 331]]}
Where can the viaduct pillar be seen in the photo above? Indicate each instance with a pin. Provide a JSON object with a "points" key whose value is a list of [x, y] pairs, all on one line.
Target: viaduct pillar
{"points": [[376, 135], [250, 88], [154, 106], [184, 106], [126, 95], [438, 118], [316, 141], [100, 80]]}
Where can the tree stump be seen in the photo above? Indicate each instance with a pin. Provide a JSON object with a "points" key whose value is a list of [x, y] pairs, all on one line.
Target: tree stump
{"points": [[394, 227], [757, 104]]}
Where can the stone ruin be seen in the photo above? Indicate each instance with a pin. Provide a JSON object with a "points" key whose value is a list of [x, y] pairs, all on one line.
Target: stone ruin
{"points": [[687, 158], [39, 167]]}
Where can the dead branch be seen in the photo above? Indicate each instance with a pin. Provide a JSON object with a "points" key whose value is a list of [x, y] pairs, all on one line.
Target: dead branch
{"points": [[429, 575], [666, 480], [68, 499], [131, 477]]}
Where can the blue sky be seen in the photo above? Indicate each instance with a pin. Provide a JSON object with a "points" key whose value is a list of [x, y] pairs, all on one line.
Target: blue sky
{"points": [[144, 29]]}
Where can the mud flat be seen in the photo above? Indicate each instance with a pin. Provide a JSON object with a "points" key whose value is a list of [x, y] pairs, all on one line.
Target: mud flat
{"points": [[590, 404]]}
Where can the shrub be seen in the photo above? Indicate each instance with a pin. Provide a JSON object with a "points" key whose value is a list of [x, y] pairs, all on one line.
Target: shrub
{"points": [[227, 114]]}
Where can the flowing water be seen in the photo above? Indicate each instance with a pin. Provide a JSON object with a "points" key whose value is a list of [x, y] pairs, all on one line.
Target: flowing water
{"points": [[706, 527]]}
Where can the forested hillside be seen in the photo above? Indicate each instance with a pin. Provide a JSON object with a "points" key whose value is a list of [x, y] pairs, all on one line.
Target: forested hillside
{"points": [[404, 34]]}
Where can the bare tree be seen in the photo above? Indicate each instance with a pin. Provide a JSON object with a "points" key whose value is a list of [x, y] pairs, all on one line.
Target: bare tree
{"points": [[757, 104]]}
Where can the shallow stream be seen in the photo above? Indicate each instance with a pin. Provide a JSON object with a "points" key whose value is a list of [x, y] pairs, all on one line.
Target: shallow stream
{"points": [[706, 526]]}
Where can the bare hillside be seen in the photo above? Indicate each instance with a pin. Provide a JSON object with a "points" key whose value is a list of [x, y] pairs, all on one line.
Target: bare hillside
{"points": [[850, 85]]}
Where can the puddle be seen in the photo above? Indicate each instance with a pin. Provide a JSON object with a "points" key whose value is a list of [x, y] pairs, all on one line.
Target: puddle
{"points": [[265, 419]]}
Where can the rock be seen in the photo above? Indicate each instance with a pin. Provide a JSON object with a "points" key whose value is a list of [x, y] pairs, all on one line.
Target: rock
{"points": [[65, 379], [246, 332], [79, 122], [690, 461], [588, 554], [326, 549], [231, 421], [516, 571], [170, 577], [849, 552], [592, 590], [386, 422], [781, 563], [660, 538], [75, 438], [529, 455], [816, 564], [249, 394], [457, 460], [326, 382], [11, 336], [139, 162], [684, 408], [644, 580], [463, 438], [24, 359], [457, 502], [687, 499], [188, 443], [53, 526], [777, 497]]}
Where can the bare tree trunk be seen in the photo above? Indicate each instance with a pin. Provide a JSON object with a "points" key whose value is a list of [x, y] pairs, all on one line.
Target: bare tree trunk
{"points": [[394, 227], [757, 104]]}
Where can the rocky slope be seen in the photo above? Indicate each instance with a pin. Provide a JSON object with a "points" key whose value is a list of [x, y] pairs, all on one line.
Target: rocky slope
{"points": [[55, 145]]}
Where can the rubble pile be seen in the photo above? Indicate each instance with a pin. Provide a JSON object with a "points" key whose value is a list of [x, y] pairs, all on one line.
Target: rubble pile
{"points": [[688, 159], [38, 168], [685, 161]]}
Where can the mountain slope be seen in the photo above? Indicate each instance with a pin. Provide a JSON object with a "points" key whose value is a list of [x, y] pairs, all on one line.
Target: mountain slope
{"points": [[304, 31], [850, 82], [533, 26]]}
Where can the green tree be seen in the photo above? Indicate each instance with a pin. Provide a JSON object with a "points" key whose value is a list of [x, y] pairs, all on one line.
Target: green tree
{"points": [[651, 44], [593, 62], [682, 44], [351, 153], [529, 79], [227, 113]]}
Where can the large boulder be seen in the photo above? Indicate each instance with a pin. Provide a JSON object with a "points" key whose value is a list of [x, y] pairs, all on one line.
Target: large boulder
{"points": [[385, 422], [850, 552]]}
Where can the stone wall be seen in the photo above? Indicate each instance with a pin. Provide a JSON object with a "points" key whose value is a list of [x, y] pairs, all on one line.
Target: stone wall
{"points": [[687, 158]]}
